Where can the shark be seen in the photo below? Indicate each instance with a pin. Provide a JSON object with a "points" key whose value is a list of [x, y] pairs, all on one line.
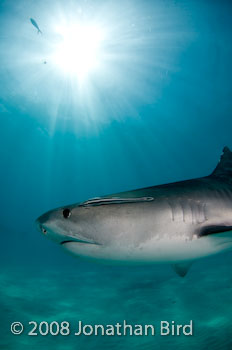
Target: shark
{"points": [[175, 223], [35, 25]]}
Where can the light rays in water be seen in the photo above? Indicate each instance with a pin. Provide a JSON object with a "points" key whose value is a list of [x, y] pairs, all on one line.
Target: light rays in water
{"points": [[96, 61]]}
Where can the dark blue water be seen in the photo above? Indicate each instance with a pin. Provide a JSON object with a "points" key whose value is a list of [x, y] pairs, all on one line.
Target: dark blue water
{"points": [[156, 108]]}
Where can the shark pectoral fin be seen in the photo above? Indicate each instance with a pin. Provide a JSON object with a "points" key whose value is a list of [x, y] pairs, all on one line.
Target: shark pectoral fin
{"points": [[182, 268]]}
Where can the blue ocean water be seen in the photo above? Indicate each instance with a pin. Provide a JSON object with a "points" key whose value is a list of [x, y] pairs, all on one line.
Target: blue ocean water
{"points": [[154, 108]]}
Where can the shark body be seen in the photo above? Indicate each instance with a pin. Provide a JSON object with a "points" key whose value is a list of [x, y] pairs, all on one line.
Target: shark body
{"points": [[175, 223]]}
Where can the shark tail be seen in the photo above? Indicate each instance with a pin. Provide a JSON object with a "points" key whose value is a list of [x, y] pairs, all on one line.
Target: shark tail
{"points": [[224, 168], [39, 32]]}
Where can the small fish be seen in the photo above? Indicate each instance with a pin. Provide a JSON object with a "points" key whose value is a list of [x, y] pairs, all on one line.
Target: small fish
{"points": [[35, 25]]}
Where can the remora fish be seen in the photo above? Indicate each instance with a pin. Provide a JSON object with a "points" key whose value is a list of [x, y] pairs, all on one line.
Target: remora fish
{"points": [[174, 223], [35, 25]]}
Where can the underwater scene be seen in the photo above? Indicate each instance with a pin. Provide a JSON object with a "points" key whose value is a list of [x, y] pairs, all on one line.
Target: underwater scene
{"points": [[99, 102]]}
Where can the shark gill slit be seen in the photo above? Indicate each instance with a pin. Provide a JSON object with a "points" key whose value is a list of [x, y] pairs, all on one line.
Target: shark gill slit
{"points": [[182, 204], [191, 208], [228, 194], [225, 194], [201, 217], [204, 211], [172, 213]]}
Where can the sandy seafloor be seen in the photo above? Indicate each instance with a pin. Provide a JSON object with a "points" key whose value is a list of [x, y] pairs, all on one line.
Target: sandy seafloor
{"points": [[97, 294]]}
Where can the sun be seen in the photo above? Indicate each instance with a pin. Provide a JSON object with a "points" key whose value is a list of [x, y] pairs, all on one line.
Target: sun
{"points": [[77, 52]]}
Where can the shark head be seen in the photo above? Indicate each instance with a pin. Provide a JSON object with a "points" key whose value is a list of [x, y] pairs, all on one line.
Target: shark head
{"points": [[69, 227], [109, 228], [64, 225]]}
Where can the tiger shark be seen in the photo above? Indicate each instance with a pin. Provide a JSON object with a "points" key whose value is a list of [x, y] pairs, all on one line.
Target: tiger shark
{"points": [[174, 223]]}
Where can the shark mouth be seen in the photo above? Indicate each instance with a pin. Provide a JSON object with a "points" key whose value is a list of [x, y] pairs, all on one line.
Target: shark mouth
{"points": [[78, 241]]}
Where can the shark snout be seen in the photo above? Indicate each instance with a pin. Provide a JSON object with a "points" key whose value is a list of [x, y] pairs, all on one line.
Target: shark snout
{"points": [[42, 228], [45, 225], [41, 223], [64, 225]]}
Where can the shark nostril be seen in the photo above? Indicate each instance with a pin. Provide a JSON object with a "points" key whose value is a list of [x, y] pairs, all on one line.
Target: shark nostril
{"points": [[44, 230]]}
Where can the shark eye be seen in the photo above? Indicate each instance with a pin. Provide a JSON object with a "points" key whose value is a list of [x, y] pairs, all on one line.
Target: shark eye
{"points": [[66, 213]]}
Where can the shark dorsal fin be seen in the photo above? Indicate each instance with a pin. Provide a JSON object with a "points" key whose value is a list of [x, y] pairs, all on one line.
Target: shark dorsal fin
{"points": [[224, 167]]}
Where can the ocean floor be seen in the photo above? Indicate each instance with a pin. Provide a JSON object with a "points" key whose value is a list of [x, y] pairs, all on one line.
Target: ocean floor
{"points": [[99, 294]]}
